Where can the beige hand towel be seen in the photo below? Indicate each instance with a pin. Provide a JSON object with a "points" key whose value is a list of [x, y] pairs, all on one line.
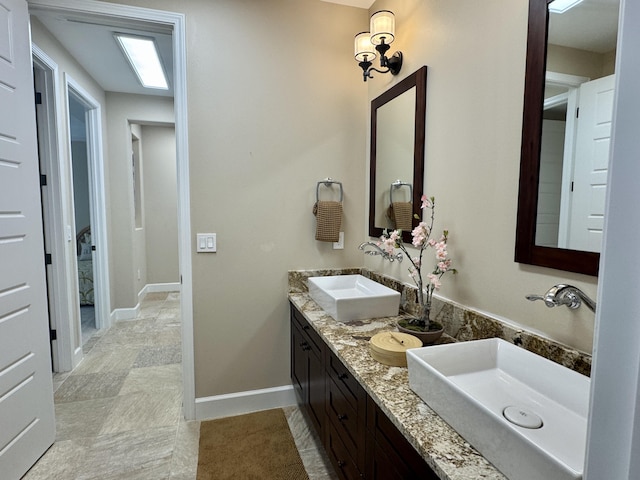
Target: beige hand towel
{"points": [[403, 215], [329, 220]]}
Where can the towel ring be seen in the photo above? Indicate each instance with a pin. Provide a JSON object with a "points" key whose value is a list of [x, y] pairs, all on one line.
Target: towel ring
{"points": [[327, 183], [399, 184]]}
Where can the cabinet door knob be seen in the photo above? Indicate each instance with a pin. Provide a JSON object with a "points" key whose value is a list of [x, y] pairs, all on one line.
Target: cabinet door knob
{"points": [[343, 376], [341, 464], [305, 327], [342, 417]]}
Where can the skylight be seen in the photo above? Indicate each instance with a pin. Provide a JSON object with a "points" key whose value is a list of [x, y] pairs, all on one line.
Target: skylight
{"points": [[143, 57], [561, 6]]}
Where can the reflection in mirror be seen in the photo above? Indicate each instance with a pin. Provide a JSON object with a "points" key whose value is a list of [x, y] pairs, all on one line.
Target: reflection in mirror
{"points": [[394, 160], [574, 154], [565, 143], [397, 155]]}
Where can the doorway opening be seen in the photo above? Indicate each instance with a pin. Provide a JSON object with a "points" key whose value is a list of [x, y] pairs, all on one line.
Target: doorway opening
{"points": [[87, 13], [82, 208]]}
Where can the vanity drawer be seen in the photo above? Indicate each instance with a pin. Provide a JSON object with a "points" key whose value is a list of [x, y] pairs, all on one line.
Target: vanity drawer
{"points": [[341, 459], [342, 414], [344, 379], [314, 341]]}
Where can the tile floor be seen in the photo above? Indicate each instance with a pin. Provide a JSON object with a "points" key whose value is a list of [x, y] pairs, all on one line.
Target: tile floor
{"points": [[87, 322], [118, 414]]}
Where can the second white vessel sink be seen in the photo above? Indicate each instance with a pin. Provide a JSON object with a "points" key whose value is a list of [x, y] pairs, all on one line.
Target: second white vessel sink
{"points": [[527, 415], [353, 297]]}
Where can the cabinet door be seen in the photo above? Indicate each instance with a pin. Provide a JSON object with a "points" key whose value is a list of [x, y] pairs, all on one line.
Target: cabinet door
{"points": [[381, 467], [389, 454], [298, 363], [316, 386]]}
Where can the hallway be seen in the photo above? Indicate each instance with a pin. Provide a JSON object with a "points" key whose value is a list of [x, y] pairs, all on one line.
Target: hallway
{"points": [[118, 414]]}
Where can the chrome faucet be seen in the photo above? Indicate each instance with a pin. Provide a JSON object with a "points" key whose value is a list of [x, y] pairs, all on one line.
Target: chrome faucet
{"points": [[379, 251], [562, 294]]}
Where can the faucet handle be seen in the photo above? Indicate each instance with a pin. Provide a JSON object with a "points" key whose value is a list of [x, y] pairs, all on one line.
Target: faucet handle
{"points": [[545, 298], [533, 297]]}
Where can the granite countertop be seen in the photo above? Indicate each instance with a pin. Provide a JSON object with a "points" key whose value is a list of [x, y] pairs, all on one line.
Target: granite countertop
{"points": [[445, 451]]}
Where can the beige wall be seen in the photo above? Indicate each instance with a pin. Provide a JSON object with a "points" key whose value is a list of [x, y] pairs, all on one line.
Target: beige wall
{"points": [[474, 117], [583, 63], [276, 103], [160, 203], [127, 251]]}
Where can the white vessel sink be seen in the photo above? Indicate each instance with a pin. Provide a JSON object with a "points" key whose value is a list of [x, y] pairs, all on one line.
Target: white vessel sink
{"points": [[353, 297], [469, 384]]}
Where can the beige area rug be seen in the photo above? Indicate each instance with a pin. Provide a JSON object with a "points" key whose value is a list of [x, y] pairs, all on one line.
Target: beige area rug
{"points": [[254, 446]]}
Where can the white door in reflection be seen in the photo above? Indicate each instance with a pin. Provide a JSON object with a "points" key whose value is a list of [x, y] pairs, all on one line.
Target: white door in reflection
{"points": [[591, 164]]}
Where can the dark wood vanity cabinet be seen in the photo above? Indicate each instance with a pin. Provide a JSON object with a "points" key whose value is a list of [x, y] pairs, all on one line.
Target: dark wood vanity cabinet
{"points": [[359, 438], [307, 368], [389, 455]]}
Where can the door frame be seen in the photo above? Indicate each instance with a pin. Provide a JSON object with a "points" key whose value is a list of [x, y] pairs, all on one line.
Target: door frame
{"points": [[177, 22], [97, 204], [66, 348]]}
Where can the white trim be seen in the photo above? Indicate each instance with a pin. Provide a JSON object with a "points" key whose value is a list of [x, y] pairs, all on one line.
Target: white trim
{"points": [[613, 433], [157, 288], [555, 101], [124, 314], [244, 402], [184, 215], [131, 313], [177, 22], [67, 352], [564, 80], [97, 201]]}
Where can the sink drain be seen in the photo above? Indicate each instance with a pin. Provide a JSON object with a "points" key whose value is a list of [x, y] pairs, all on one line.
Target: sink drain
{"points": [[522, 417]]}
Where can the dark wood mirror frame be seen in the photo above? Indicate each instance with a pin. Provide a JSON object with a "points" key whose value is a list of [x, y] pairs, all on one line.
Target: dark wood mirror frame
{"points": [[417, 79], [526, 250]]}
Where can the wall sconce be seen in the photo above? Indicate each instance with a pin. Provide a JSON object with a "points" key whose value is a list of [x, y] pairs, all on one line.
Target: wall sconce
{"points": [[382, 33]]}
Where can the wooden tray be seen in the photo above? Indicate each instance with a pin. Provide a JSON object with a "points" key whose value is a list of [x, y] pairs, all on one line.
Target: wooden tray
{"points": [[389, 347]]}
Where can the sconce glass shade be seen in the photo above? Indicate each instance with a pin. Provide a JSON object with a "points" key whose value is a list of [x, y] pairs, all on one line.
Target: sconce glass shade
{"points": [[364, 47], [383, 27]]}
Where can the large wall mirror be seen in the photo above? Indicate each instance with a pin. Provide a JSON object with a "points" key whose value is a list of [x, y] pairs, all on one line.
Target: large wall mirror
{"points": [[568, 108], [397, 156]]}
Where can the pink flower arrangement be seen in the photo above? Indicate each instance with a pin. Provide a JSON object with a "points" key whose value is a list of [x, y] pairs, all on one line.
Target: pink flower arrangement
{"points": [[422, 240]]}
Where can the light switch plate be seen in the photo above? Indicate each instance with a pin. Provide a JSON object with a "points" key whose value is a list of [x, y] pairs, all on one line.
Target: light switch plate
{"points": [[339, 245], [206, 242]]}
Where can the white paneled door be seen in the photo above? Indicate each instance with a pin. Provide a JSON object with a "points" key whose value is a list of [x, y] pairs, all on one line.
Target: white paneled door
{"points": [[591, 164], [27, 422]]}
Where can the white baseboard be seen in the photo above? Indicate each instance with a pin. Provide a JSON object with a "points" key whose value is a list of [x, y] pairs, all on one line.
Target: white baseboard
{"points": [[131, 313], [219, 406], [158, 287], [124, 313]]}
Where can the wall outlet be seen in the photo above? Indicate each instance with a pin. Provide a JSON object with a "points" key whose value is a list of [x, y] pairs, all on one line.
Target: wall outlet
{"points": [[339, 245]]}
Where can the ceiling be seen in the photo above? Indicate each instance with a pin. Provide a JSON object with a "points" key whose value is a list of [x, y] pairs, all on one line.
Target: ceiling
{"points": [[90, 41], [592, 25]]}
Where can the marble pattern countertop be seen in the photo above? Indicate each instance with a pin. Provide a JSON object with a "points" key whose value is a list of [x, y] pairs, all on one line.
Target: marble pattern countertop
{"points": [[446, 452]]}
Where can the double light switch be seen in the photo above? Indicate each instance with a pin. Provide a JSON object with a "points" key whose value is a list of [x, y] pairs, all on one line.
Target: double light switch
{"points": [[206, 242]]}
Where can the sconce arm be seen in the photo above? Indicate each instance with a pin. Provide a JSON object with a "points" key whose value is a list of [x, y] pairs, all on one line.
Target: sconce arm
{"points": [[393, 65]]}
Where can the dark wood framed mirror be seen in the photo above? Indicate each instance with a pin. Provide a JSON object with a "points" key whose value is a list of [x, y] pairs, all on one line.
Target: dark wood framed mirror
{"points": [[563, 252], [397, 155]]}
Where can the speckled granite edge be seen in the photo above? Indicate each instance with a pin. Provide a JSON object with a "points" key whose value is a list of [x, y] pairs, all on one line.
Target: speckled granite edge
{"points": [[444, 450], [460, 322]]}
